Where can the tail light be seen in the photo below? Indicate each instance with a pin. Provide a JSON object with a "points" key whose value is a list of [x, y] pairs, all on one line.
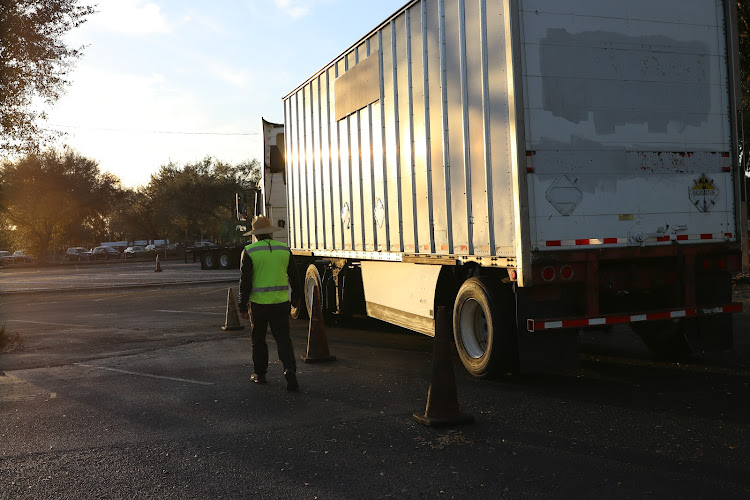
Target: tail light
{"points": [[566, 272], [548, 273]]}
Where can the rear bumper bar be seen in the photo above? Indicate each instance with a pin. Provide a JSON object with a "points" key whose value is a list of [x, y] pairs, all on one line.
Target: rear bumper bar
{"points": [[537, 325]]}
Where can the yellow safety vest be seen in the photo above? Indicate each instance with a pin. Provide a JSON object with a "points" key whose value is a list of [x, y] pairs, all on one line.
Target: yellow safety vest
{"points": [[270, 261]]}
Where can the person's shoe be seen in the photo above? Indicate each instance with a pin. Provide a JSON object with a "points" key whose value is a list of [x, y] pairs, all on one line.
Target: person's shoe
{"points": [[258, 378], [291, 381]]}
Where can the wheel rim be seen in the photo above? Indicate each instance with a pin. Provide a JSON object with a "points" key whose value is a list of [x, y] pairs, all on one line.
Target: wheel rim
{"points": [[224, 261], [474, 329]]}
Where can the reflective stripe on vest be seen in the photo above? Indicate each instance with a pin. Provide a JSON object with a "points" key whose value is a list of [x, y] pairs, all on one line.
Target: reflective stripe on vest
{"points": [[270, 261]]}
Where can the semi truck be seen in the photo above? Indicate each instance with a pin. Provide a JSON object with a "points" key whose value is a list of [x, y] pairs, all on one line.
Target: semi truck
{"points": [[538, 166]]}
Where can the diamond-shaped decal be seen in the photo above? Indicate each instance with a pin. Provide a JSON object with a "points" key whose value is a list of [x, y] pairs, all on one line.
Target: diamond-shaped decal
{"points": [[564, 195]]}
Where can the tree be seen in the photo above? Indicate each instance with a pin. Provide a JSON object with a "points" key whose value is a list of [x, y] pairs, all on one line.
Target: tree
{"points": [[743, 18], [197, 200], [56, 198], [34, 64]]}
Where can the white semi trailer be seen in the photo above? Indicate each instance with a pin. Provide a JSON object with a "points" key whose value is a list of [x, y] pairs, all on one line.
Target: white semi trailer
{"points": [[541, 166]]}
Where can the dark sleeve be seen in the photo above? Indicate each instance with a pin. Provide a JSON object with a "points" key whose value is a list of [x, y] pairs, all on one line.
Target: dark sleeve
{"points": [[246, 281], [294, 281]]}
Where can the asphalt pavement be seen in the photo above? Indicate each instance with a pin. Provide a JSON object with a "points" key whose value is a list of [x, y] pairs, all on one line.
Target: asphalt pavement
{"points": [[134, 391]]}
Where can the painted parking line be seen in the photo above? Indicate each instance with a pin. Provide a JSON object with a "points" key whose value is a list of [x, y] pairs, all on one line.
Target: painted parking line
{"points": [[148, 375], [170, 311], [46, 323], [214, 290]]}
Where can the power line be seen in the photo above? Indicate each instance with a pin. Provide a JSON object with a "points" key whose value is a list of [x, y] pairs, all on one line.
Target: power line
{"points": [[154, 131]]}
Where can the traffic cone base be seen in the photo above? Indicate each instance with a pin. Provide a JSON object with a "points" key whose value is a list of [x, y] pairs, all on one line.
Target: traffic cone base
{"points": [[325, 359], [442, 400], [317, 342], [232, 321], [459, 419]]}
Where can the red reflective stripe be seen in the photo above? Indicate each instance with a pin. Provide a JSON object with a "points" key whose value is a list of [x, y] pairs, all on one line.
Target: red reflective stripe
{"points": [[533, 325], [573, 323], [662, 238], [682, 237], [659, 315], [725, 155], [617, 319], [583, 242], [608, 241], [728, 235], [707, 236], [554, 243]]}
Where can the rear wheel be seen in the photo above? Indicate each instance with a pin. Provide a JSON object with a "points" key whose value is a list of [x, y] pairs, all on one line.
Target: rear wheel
{"points": [[484, 327], [312, 279], [209, 260], [298, 310], [224, 260]]}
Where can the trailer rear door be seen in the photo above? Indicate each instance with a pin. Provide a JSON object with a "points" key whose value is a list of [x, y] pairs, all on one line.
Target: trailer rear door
{"points": [[627, 122]]}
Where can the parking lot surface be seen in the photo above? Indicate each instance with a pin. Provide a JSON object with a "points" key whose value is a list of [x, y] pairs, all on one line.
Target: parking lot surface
{"points": [[134, 391]]}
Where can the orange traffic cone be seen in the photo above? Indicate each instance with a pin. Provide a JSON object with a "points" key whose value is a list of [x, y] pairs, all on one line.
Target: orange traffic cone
{"points": [[232, 321], [442, 400], [158, 265], [317, 342]]}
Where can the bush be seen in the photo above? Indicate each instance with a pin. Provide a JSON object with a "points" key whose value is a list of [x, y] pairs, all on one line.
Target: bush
{"points": [[9, 342]]}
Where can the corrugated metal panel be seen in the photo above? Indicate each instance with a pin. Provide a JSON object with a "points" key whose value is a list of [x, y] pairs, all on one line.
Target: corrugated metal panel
{"points": [[316, 209], [454, 113], [439, 214], [390, 125], [380, 208], [416, 171], [421, 192], [306, 184]]}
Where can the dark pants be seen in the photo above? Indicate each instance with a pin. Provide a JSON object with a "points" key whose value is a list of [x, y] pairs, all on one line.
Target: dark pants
{"points": [[278, 317]]}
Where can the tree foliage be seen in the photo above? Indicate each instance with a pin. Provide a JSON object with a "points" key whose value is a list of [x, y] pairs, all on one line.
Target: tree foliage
{"points": [[34, 64], [56, 198], [197, 200]]}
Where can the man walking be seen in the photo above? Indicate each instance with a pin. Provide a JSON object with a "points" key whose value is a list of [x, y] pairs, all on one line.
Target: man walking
{"points": [[267, 272]]}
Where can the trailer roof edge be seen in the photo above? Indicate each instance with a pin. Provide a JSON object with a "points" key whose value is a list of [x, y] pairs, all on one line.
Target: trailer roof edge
{"points": [[350, 47]]}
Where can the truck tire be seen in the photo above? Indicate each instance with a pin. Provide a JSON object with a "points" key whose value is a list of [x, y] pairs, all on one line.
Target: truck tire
{"points": [[225, 260], [209, 260], [484, 327], [312, 279], [665, 339]]}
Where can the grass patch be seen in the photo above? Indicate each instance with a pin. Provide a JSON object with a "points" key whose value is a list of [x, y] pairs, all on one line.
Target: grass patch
{"points": [[9, 342]]}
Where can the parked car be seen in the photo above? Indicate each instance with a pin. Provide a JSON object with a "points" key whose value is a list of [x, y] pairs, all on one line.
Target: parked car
{"points": [[77, 253], [152, 249], [20, 256], [134, 251], [105, 253], [6, 257], [203, 244]]}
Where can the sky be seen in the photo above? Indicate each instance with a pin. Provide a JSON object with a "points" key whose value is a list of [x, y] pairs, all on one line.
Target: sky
{"points": [[165, 81]]}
